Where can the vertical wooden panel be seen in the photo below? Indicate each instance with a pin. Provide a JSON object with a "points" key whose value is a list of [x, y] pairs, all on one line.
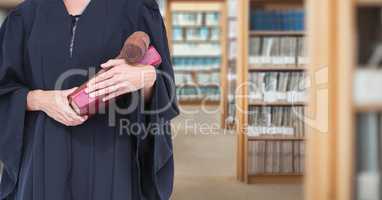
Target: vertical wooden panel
{"points": [[224, 65], [320, 179], [346, 134], [168, 24], [241, 91]]}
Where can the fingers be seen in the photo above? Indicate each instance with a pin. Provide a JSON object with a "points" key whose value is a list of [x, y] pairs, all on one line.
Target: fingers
{"points": [[104, 91], [71, 117], [102, 85], [113, 62], [99, 78], [113, 95]]}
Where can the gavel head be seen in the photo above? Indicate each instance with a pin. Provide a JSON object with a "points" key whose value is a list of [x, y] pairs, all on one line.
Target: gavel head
{"points": [[135, 47]]}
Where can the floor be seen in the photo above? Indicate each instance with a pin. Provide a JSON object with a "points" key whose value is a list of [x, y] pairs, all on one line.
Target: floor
{"points": [[205, 162]]}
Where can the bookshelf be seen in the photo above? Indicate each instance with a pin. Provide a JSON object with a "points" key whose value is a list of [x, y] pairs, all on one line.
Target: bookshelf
{"points": [[343, 160], [271, 96], [198, 49]]}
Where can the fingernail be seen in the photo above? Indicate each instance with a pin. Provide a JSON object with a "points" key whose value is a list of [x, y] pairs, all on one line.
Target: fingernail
{"points": [[87, 90]]}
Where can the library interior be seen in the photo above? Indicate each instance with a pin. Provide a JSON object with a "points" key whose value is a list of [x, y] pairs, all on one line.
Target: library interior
{"points": [[276, 97]]}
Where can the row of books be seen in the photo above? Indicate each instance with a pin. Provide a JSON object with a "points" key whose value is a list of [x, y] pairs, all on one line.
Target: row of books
{"points": [[231, 113], [366, 91], [232, 50], [275, 120], [266, 157], [198, 93], [195, 18], [281, 50], [197, 49], [232, 8], [200, 79], [277, 86], [277, 19], [195, 34], [232, 28], [231, 85], [196, 63], [369, 157]]}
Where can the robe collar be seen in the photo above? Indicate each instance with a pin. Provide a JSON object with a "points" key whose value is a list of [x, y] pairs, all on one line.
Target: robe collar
{"points": [[55, 37]]}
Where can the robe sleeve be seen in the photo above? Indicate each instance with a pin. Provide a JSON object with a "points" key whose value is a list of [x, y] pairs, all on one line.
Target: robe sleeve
{"points": [[163, 102], [156, 155], [13, 94]]}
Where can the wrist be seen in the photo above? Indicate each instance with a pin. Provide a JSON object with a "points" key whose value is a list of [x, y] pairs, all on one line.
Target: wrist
{"points": [[150, 76], [34, 100]]}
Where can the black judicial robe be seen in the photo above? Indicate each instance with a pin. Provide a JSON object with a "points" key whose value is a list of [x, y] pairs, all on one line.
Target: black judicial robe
{"points": [[45, 160]]}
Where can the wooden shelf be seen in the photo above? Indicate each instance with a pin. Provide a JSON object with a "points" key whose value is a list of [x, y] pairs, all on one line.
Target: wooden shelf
{"points": [[376, 107], [195, 5], [196, 42], [277, 33], [294, 178], [276, 103], [276, 68], [275, 138], [369, 2]]}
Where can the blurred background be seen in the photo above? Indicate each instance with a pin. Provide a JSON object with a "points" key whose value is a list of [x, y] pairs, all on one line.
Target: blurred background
{"points": [[279, 99]]}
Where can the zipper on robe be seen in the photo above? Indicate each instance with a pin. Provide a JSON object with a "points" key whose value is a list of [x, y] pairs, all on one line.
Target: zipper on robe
{"points": [[75, 20]]}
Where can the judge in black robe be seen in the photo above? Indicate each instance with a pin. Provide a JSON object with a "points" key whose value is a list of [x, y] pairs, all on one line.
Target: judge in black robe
{"points": [[45, 160]]}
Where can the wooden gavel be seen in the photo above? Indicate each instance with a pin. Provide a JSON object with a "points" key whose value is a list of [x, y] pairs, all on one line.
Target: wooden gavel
{"points": [[136, 50]]}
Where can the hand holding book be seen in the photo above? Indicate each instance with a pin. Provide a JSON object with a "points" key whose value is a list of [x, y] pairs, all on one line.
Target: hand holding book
{"points": [[136, 50]]}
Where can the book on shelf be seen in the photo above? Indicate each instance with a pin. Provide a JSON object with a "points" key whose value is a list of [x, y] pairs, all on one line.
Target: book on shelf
{"points": [[276, 121], [369, 157], [232, 49], [232, 8], [288, 51], [198, 93], [187, 18], [277, 19], [277, 87], [275, 157], [231, 113], [212, 18], [197, 49], [197, 34], [196, 63], [232, 29], [215, 34]]}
